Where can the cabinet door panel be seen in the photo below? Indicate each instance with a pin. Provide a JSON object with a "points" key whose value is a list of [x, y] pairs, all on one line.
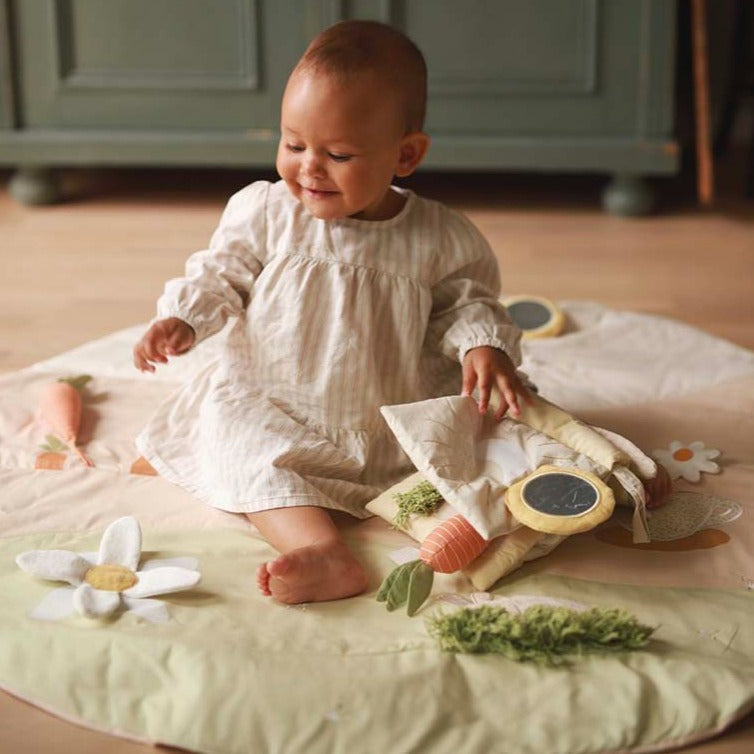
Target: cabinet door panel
{"points": [[511, 68], [506, 48], [154, 64]]}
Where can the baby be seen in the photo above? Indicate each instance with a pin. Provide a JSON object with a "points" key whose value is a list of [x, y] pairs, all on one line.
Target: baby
{"points": [[348, 294]]}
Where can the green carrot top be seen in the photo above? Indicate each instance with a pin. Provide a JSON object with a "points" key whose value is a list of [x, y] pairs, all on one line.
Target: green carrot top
{"points": [[79, 381]]}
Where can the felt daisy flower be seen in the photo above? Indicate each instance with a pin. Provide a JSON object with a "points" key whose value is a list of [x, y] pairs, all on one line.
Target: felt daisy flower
{"points": [[687, 460], [103, 582]]}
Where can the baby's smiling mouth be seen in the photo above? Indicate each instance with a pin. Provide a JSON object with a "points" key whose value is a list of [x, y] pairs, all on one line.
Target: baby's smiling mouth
{"points": [[317, 193]]}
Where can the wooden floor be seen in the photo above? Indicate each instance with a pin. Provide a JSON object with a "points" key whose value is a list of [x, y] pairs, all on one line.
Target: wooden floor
{"points": [[97, 262]]}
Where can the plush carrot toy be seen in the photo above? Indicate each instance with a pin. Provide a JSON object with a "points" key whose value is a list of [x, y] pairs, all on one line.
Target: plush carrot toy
{"points": [[60, 406], [449, 547]]}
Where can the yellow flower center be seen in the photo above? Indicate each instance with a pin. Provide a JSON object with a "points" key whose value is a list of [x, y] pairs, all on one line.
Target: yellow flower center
{"points": [[683, 454], [110, 577]]}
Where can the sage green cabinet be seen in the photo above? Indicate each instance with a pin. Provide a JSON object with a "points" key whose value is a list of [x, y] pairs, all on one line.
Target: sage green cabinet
{"points": [[571, 85]]}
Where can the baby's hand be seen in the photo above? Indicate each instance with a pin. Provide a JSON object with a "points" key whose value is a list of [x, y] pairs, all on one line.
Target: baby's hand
{"points": [[166, 337], [486, 366], [659, 488]]}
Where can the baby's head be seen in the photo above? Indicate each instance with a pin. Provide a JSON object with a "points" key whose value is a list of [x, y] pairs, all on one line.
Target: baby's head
{"points": [[351, 120]]}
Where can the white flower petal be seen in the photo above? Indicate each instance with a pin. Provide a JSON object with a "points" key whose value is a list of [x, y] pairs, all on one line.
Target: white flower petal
{"points": [[54, 565], [162, 581], [690, 473], [95, 603], [121, 543], [55, 605], [709, 466], [155, 611], [184, 562], [675, 445], [697, 445], [710, 453]]}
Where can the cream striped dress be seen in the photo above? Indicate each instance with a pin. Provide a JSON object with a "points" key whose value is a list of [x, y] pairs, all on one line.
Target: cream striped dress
{"points": [[333, 319]]}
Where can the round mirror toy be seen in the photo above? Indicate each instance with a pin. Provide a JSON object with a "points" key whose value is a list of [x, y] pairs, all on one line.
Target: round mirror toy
{"points": [[537, 317], [560, 500]]}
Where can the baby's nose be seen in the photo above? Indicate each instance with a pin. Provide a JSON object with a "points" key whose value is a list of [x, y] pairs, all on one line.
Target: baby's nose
{"points": [[312, 165]]}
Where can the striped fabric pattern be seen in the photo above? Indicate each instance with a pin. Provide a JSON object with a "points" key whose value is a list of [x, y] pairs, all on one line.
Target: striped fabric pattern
{"points": [[452, 545], [333, 319]]}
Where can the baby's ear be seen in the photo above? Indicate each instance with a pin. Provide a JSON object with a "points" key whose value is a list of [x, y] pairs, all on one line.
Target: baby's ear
{"points": [[413, 147]]}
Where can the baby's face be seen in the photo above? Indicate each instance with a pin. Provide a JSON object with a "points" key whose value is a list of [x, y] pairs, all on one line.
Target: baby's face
{"points": [[340, 147]]}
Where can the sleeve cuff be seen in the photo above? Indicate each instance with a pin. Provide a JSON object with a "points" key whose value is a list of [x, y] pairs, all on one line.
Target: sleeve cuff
{"points": [[478, 343], [194, 323]]}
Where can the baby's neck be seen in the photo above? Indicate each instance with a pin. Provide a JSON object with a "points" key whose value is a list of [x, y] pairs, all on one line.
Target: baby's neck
{"points": [[391, 205]]}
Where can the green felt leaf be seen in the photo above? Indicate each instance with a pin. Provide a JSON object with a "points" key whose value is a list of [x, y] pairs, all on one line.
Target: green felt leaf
{"points": [[419, 587], [398, 592], [79, 382], [386, 584], [53, 444]]}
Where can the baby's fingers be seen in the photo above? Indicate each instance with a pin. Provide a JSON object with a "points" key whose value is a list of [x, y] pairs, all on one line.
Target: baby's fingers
{"points": [[149, 349], [512, 399], [469, 379], [508, 400], [140, 361], [502, 408], [511, 392], [484, 387], [155, 351]]}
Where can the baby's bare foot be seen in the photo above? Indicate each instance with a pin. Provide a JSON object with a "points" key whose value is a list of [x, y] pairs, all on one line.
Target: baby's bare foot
{"points": [[312, 574]]}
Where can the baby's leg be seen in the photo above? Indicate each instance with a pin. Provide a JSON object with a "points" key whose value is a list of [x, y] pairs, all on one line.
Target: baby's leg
{"points": [[315, 563]]}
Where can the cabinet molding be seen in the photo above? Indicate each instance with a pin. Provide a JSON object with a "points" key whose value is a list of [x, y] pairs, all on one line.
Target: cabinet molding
{"points": [[73, 75]]}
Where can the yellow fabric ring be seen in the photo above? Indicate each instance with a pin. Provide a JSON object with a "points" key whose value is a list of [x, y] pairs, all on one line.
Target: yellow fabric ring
{"points": [[536, 316], [527, 500]]}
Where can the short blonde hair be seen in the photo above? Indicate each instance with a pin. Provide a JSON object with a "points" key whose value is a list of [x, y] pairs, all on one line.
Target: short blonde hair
{"points": [[350, 48]]}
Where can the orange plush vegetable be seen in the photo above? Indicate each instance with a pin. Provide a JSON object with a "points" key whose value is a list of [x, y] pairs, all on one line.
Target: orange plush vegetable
{"points": [[60, 407], [449, 547], [452, 545]]}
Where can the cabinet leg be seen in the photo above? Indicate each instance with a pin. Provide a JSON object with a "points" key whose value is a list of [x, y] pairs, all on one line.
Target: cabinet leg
{"points": [[627, 195], [35, 186]]}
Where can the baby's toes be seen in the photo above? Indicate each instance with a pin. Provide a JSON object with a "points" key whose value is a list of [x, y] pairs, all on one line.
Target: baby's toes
{"points": [[263, 580]]}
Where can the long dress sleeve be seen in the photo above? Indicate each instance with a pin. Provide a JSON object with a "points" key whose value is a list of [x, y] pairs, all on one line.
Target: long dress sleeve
{"points": [[466, 311], [218, 280]]}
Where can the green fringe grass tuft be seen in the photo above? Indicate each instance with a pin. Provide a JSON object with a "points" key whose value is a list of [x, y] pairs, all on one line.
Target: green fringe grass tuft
{"points": [[543, 634], [422, 500]]}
